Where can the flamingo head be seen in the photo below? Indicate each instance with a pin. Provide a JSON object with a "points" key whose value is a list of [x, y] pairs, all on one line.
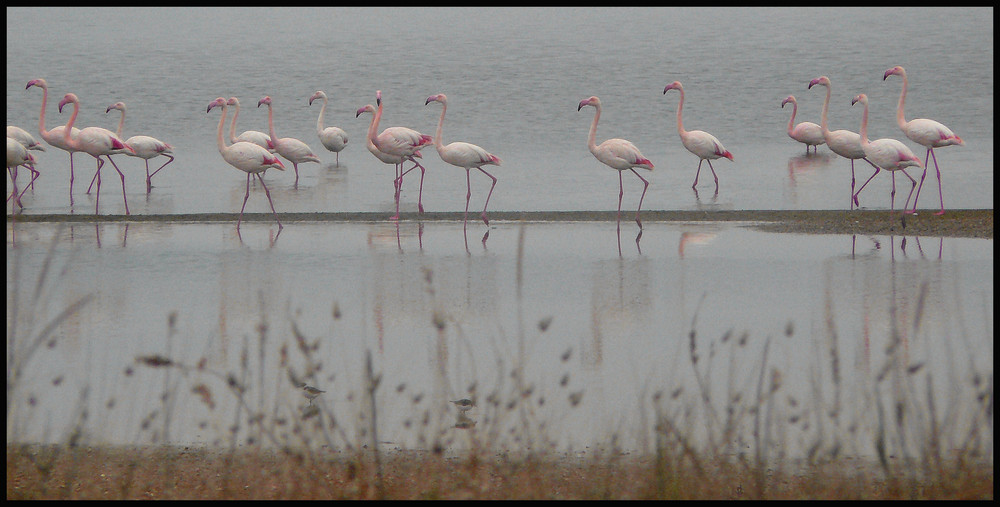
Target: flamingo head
{"points": [[265, 100], [367, 109], [895, 71], [860, 98], [37, 82], [676, 85], [217, 103], [233, 101], [378, 98], [317, 95], [822, 80], [117, 105], [70, 97], [592, 101], [790, 98], [436, 98]]}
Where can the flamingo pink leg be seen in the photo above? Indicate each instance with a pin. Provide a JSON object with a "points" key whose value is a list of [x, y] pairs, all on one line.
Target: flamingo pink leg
{"points": [[645, 186], [927, 158], [485, 220], [149, 177]]}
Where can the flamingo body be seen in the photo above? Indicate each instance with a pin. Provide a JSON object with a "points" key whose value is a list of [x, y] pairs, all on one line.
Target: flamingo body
{"points": [[395, 160], [806, 132], [292, 149], [889, 154], [704, 145], [401, 142], [927, 133], [26, 139], [18, 155], [333, 138], [144, 147]]}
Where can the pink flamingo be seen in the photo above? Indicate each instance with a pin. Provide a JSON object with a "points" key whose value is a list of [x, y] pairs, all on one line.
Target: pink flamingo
{"points": [[400, 141], [927, 133], [888, 154], [55, 136], [464, 155], [28, 141], [807, 132], [333, 138], [145, 147], [96, 142], [292, 149], [396, 160], [699, 142], [845, 143], [18, 155], [617, 154], [247, 157], [251, 136]]}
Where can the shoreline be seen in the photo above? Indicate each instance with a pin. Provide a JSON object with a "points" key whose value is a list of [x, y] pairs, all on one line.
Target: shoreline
{"points": [[961, 223]]}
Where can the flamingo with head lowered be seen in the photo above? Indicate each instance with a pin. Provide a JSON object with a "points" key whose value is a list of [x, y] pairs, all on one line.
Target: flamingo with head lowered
{"points": [[55, 136], [927, 133], [333, 138], [247, 157], [888, 154], [96, 142], [464, 155], [617, 154], [699, 142], [145, 147], [292, 149], [807, 132]]}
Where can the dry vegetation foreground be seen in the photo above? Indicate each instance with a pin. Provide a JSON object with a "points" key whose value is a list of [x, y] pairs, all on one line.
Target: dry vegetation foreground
{"points": [[102, 473]]}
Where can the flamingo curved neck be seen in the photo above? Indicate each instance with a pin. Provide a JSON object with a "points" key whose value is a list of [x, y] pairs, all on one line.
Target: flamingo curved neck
{"points": [[232, 125], [591, 140], [69, 126], [222, 123], [680, 112], [438, 143], [900, 118], [121, 124], [791, 121], [270, 124], [41, 116], [864, 124], [319, 121], [826, 108]]}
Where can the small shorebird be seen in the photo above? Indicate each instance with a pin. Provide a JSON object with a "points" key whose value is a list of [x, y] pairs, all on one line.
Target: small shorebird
{"points": [[464, 404], [310, 392]]}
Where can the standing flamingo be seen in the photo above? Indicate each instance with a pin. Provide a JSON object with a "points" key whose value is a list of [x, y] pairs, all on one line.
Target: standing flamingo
{"points": [[55, 136], [396, 160], [845, 143], [807, 132], [247, 157], [888, 154], [251, 136], [333, 138], [617, 154], [292, 149], [28, 141], [699, 142], [145, 147], [464, 155], [927, 133], [96, 142], [17, 155], [400, 141]]}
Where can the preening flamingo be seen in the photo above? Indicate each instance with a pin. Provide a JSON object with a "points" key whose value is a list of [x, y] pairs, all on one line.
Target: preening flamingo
{"points": [[96, 142], [401, 141], [247, 157], [807, 132], [17, 155], [55, 136], [464, 155], [28, 141], [617, 154], [292, 149], [699, 142], [145, 147], [396, 160], [888, 154], [845, 143], [927, 133], [333, 138], [251, 136]]}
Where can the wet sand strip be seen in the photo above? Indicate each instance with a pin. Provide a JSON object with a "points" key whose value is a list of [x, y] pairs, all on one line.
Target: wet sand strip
{"points": [[964, 223]]}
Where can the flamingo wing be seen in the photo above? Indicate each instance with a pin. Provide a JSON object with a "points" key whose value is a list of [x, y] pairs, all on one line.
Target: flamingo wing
{"points": [[400, 140], [704, 145], [621, 154], [250, 158], [333, 138], [467, 155], [808, 132], [148, 147], [296, 150], [931, 133]]}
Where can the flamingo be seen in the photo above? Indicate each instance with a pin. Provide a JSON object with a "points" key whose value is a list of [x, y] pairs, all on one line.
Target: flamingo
{"points": [[396, 160], [96, 142], [333, 138], [292, 149], [18, 155], [400, 141], [252, 136], [145, 147], [845, 143], [699, 142], [464, 155], [617, 154], [55, 136], [888, 154], [806, 132], [28, 141], [927, 133], [247, 157]]}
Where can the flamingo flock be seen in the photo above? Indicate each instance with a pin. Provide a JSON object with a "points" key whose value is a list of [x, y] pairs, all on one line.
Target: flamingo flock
{"points": [[253, 152]]}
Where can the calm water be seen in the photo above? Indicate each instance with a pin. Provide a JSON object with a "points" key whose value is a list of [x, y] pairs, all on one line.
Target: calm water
{"points": [[514, 78]]}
